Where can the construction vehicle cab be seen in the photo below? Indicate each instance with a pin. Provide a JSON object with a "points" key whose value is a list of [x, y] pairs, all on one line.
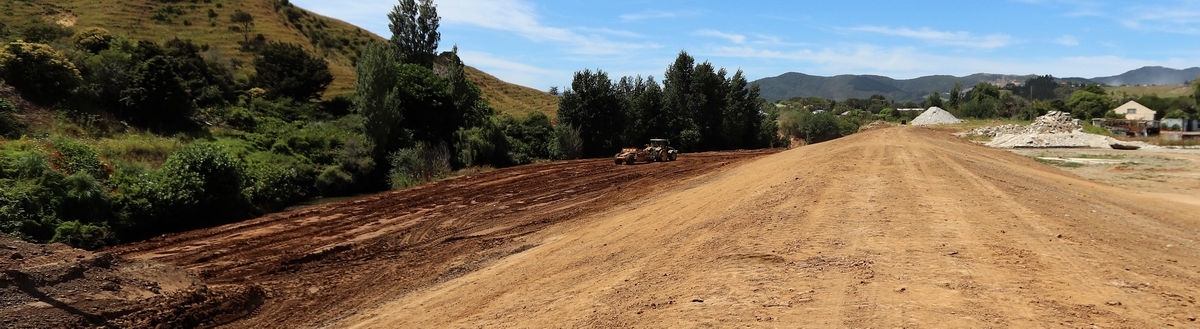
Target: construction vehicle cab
{"points": [[658, 150]]}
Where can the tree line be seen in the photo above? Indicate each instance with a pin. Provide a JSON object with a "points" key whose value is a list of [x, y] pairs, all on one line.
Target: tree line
{"points": [[698, 106], [1042, 94]]}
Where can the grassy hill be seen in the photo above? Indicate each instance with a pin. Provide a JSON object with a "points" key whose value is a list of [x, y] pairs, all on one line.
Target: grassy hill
{"points": [[1161, 91], [1151, 75], [207, 22]]}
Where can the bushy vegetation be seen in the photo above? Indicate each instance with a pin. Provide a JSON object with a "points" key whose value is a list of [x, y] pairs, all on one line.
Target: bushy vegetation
{"points": [[139, 138], [698, 106], [1039, 95]]}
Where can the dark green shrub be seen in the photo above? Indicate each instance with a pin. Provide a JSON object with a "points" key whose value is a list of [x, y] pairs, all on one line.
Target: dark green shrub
{"points": [[42, 74], [222, 175], [41, 31], [27, 210], [529, 138], [275, 186], [287, 70], [93, 39], [417, 165], [334, 181], [485, 145], [565, 143], [10, 127], [84, 199], [71, 156], [689, 140], [241, 118], [84, 236], [984, 108]]}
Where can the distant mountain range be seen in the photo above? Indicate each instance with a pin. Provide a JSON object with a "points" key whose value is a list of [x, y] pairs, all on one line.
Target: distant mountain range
{"points": [[841, 87]]}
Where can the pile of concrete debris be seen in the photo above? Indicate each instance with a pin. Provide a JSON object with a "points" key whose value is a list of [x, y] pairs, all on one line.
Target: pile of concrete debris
{"points": [[935, 116], [1053, 130], [993, 131], [1054, 122]]}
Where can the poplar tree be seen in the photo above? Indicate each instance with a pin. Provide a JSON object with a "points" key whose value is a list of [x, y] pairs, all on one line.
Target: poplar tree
{"points": [[414, 27]]}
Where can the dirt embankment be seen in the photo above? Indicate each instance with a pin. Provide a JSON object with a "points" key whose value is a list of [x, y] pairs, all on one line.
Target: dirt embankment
{"points": [[321, 264], [897, 227]]}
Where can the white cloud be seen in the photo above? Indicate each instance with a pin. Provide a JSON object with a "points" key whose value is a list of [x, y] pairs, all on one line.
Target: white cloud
{"points": [[965, 39], [1181, 17], [1078, 8], [519, 17], [1067, 40], [656, 14], [735, 38], [612, 32], [909, 62], [513, 72]]}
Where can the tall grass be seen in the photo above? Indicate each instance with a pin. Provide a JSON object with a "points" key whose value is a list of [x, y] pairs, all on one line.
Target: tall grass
{"points": [[1161, 141], [146, 149], [418, 165]]}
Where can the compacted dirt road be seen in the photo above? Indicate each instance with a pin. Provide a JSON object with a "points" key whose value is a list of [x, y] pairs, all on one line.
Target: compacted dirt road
{"points": [[898, 227]]}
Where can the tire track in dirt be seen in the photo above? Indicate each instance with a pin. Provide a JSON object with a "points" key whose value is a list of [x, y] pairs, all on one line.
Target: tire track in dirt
{"points": [[898, 227], [327, 262]]}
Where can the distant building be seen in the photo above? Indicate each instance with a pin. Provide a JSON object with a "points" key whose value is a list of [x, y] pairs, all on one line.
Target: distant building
{"points": [[1135, 111]]}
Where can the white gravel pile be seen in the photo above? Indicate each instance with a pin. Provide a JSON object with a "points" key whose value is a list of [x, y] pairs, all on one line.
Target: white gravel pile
{"points": [[935, 116]]}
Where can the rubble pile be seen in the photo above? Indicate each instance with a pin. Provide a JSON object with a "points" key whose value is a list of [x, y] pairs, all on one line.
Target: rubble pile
{"points": [[994, 131], [1054, 122], [1053, 130]]}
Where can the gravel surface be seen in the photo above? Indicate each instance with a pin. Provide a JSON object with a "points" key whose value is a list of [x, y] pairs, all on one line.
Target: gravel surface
{"points": [[935, 116]]}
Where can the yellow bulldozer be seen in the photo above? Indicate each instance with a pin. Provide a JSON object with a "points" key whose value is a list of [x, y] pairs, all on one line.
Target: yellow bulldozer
{"points": [[658, 150]]}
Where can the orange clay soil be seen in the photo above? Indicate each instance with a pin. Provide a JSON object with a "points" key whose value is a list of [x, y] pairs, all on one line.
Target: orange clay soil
{"points": [[895, 227]]}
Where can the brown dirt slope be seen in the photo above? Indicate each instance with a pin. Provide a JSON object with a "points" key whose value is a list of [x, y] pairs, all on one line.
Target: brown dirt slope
{"points": [[56, 286], [896, 227], [325, 263]]}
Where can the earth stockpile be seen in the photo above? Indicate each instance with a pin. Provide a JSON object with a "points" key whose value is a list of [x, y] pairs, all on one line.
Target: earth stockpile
{"points": [[935, 116]]}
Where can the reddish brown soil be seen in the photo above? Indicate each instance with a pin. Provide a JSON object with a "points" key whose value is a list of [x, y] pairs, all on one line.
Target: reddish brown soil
{"points": [[321, 264], [895, 227], [56, 286]]}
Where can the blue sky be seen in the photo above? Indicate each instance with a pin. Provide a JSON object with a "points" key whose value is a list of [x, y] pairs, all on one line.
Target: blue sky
{"points": [[542, 43]]}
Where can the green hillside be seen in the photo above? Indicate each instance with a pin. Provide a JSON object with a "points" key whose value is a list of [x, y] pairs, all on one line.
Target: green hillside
{"points": [[208, 23], [123, 120]]}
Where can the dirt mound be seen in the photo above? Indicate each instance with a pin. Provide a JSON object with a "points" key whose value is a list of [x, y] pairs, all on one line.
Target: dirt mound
{"points": [[328, 262], [913, 227], [878, 124], [56, 286], [935, 116]]}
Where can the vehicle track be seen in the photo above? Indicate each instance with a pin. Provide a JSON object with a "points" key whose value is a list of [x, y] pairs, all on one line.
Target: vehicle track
{"points": [[330, 261], [896, 227]]}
